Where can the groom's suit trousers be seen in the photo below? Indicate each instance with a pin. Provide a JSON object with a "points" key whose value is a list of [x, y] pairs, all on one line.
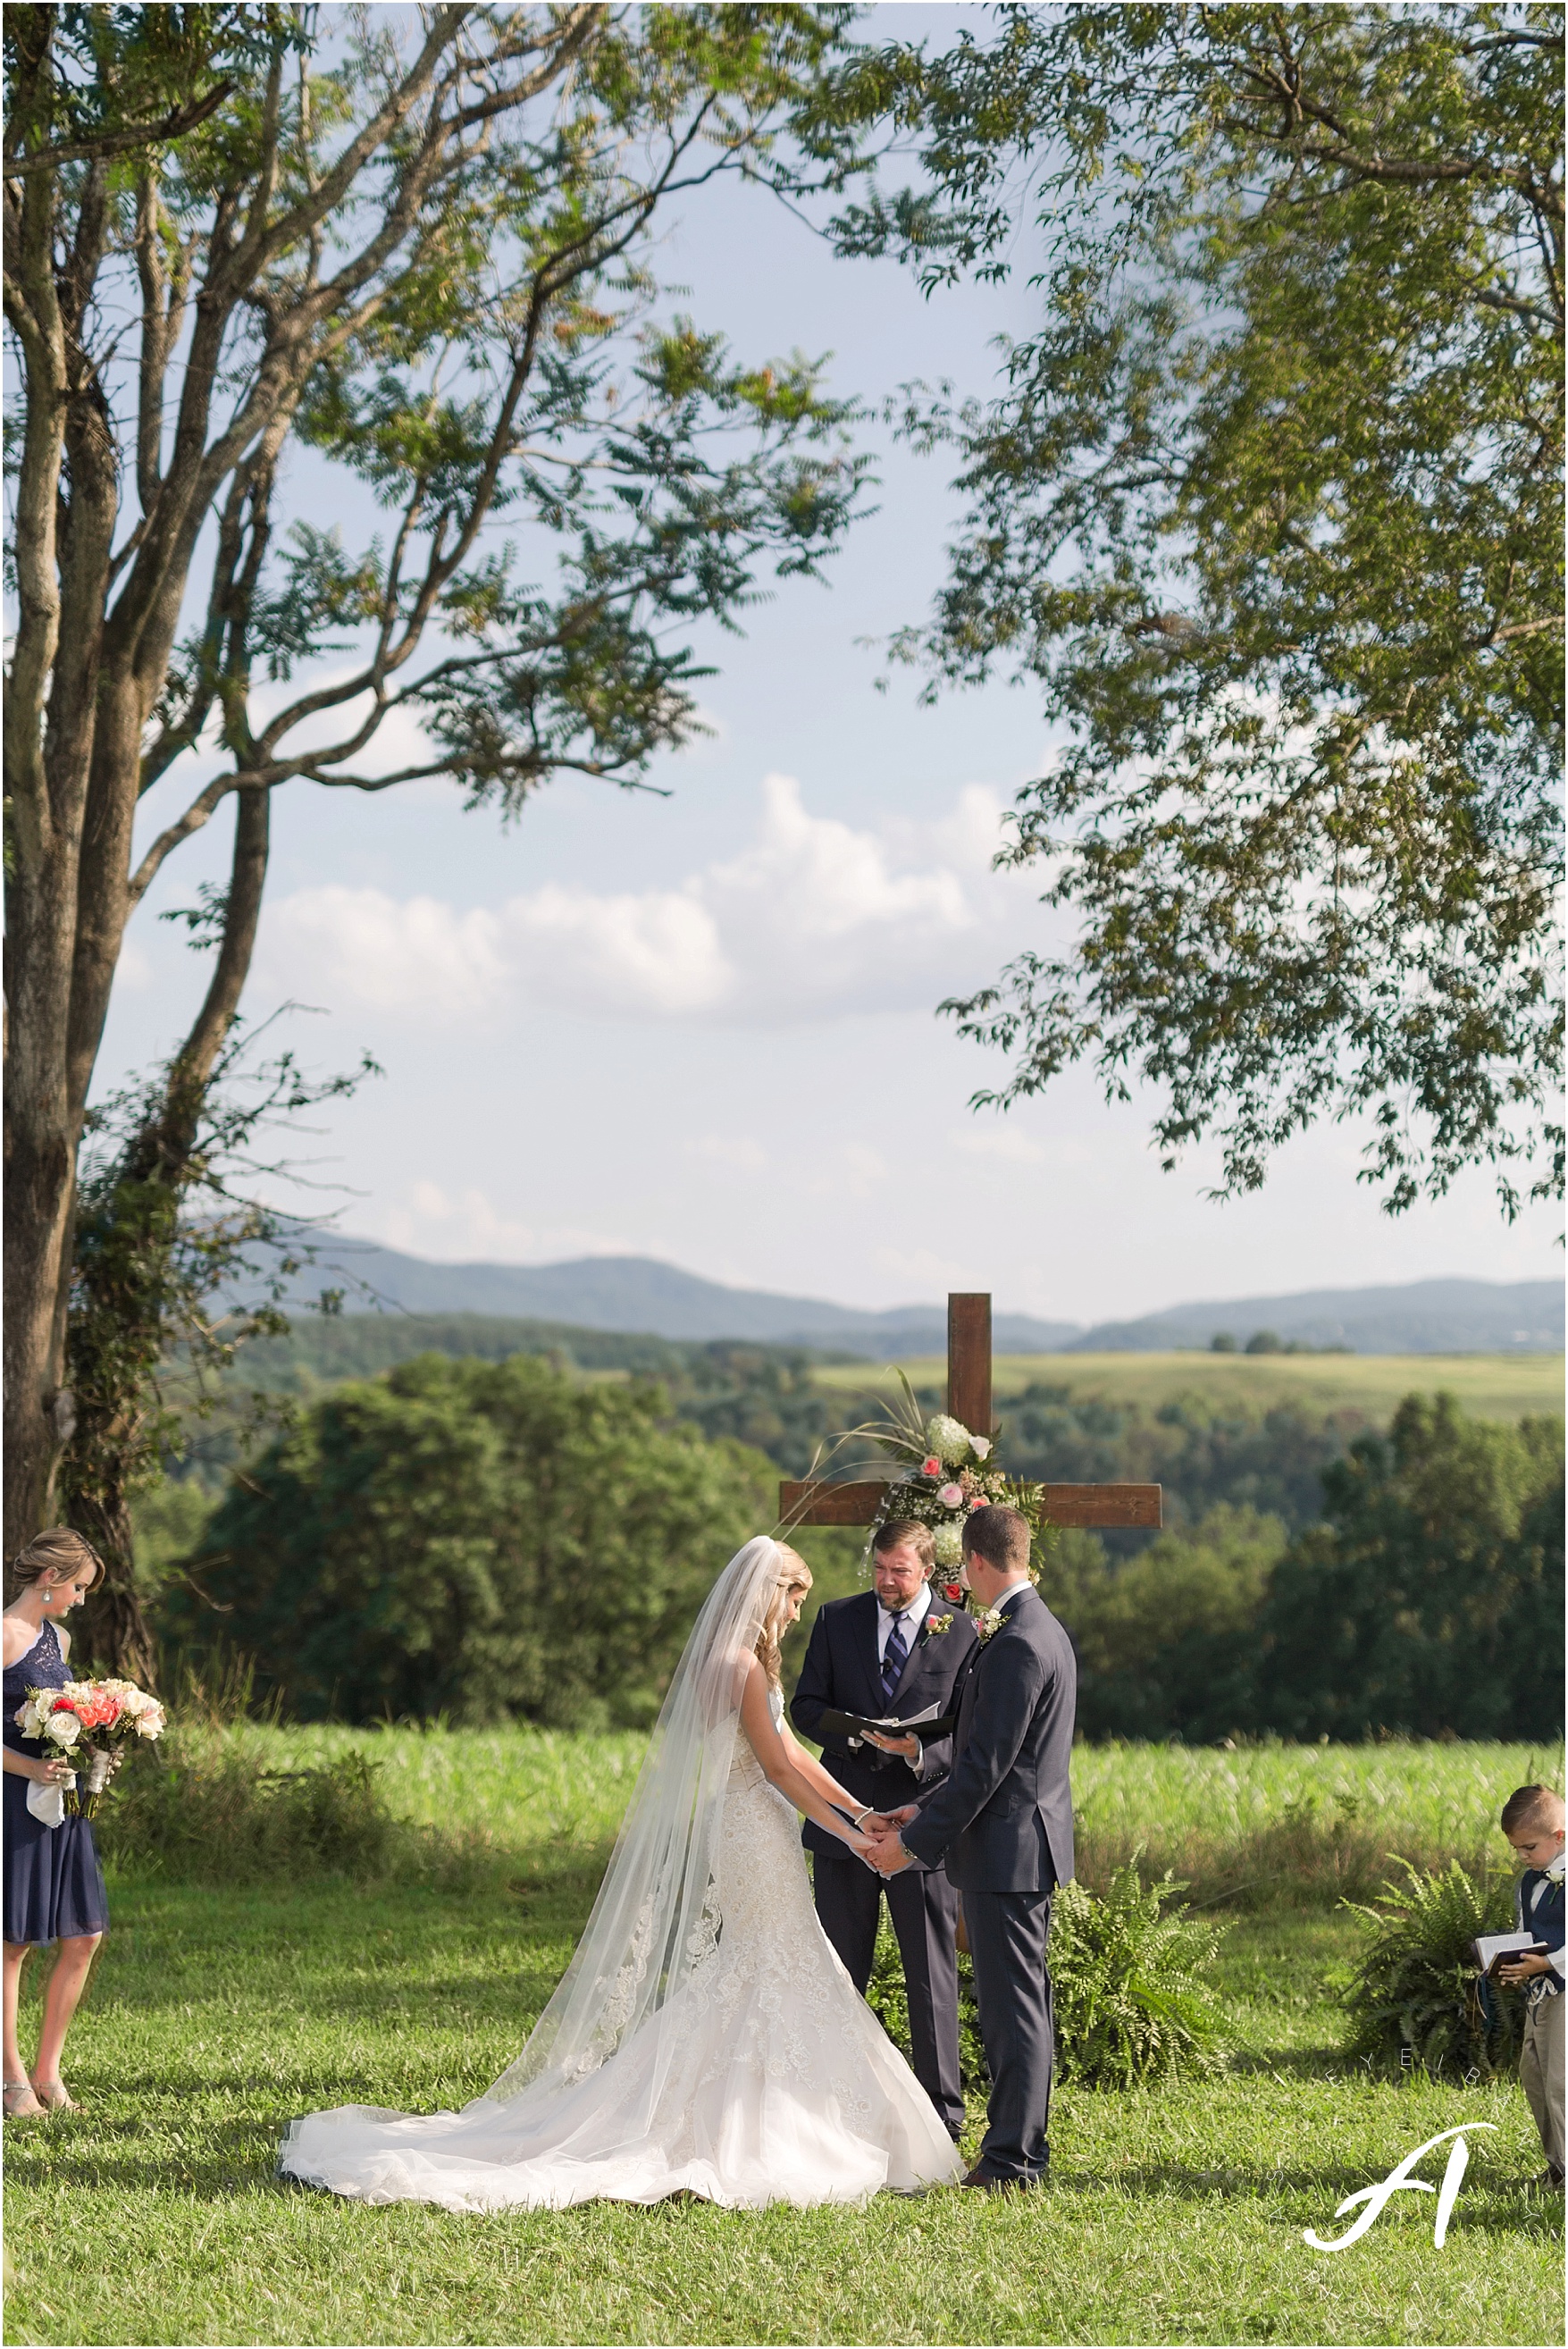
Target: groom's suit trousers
{"points": [[1009, 1932], [924, 1911]]}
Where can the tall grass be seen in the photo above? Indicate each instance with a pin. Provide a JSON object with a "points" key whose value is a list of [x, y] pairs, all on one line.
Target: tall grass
{"points": [[1260, 1827], [1273, 1826]]}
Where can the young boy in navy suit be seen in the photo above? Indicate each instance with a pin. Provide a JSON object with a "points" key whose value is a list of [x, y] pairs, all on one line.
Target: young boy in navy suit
{"points": [[1533, 1822]]}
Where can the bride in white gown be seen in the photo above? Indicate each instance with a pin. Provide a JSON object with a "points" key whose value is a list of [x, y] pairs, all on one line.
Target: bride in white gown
{"points": [[705, 2037]]}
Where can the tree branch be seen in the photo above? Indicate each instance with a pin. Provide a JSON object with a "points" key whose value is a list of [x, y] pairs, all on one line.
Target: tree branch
{"points": [[109, 143]]}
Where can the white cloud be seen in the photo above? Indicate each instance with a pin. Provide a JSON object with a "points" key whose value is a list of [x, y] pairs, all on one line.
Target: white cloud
{"points": [[813, 919], [465, 1227], [659, 952], [1000, 1143], [363, 946], [739, 1154]]}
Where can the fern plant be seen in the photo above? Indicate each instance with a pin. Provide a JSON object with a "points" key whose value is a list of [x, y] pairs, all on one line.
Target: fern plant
{"points": [[1415, 1998], [1133, 2006]]}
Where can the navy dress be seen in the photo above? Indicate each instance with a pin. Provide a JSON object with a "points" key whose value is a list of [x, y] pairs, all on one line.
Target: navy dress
{"points": [[54, 1884]]}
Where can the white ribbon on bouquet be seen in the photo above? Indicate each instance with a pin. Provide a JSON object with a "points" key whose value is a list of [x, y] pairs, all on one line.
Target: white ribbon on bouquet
{"points": [[47, 1803]]}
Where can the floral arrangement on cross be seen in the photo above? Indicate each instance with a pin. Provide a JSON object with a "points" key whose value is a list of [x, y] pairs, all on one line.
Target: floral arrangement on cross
{"points": [[949, 1471]]}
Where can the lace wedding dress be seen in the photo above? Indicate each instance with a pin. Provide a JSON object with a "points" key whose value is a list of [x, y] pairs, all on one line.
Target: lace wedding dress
{"points": [[761, 2077]]}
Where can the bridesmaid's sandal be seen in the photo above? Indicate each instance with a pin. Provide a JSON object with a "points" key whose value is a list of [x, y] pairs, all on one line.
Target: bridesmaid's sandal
{"points": [[55, 2097], [16, 2109]]}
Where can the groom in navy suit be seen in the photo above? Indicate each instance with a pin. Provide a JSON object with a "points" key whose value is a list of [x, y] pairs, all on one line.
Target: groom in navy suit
{"points": [[895, 1648], [1002, 1820]]}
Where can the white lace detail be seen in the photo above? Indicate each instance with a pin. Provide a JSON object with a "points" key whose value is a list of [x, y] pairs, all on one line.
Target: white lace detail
{"points": [[620, 2003]]}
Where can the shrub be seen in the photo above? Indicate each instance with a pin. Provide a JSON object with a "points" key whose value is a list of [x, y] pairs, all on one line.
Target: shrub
{"points": [[203, 1808], [1414, 1997], [1132, 2008], [475, 1539]]}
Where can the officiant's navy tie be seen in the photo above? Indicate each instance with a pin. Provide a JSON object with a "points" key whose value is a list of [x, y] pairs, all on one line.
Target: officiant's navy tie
{"points": [[895, 1655]]}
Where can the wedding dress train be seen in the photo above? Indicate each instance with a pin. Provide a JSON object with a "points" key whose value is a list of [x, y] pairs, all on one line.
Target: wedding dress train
{"points": [[765, 2077]]}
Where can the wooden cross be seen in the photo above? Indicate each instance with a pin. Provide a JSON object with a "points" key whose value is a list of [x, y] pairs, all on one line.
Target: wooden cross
{"points": [[969, 1403]]}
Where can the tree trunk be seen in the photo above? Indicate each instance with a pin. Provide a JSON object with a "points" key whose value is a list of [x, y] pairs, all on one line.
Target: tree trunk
{"points": [[120, 1326], [115, 1636]]}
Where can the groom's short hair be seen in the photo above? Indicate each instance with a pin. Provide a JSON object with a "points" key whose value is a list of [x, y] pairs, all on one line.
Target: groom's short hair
{"points": [[900, 1532], [999, 1536]]}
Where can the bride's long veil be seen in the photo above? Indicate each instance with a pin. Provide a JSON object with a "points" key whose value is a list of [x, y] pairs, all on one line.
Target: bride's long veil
{"points": [[656, 1918]]}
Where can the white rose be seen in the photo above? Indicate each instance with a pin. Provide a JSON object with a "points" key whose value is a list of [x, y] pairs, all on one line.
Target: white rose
{"points": [[133, 1700], [951, 1442], [150, 1721], [949, 1546], [952, 1497], [63, 1729]]}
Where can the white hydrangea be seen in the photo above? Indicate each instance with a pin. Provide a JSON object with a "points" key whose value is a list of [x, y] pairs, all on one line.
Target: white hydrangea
{"points": [[949, 1544], [951, 1443]]}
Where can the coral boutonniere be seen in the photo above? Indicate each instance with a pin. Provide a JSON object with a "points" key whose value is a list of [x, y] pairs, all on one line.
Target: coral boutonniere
{"points": [[935, 1623], [987, 1625]]}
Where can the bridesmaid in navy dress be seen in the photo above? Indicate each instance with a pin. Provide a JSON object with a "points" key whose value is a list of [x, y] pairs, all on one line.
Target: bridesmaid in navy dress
{"points": [[53, 1885]]}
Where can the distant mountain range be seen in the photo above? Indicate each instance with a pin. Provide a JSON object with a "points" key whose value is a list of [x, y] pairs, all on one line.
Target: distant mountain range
{"points": [[1424, 1317], [640, 1294]]}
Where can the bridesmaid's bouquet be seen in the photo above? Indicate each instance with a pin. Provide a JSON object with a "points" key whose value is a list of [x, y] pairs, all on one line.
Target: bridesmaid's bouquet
{"points": [[86, 1722]]}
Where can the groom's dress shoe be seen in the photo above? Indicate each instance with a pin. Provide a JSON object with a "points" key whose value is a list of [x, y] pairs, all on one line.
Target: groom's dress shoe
{"points": [[983, 2183]]}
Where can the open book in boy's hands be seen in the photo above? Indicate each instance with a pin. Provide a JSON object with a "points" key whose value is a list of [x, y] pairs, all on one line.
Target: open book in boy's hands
{"points": [[1494, 1949]]}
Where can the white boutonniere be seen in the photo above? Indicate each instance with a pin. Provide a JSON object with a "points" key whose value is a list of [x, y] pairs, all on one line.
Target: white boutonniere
{"points": [[987, 1625], [935, 1623]]}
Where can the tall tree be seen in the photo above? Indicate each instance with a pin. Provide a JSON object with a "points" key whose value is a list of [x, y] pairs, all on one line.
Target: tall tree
{"points": [[1269, 509], [417, 242], [1430, 1600]]}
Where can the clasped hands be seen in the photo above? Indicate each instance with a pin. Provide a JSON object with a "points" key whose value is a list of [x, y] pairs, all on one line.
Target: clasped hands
{"points": [[882, 1849]]}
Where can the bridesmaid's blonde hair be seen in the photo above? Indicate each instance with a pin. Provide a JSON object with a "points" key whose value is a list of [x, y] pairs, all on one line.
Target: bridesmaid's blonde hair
{"points": [[54, 1554], [794, 1574]]}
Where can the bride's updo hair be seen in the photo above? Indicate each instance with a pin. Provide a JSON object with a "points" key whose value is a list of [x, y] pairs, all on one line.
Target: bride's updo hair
{"points": [[794, 1574], [53, 1555]]}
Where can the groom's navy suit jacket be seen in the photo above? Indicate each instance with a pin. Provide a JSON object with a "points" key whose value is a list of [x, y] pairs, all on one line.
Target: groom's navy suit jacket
{"points": [[1002, 1817], [842, 1669]]}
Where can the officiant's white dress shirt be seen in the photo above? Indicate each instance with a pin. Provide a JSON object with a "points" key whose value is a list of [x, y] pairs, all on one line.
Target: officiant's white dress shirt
{"points": [[912, 1616]]}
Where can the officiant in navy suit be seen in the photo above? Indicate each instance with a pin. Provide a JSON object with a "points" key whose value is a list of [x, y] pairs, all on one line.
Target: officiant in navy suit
{"points": [[895, 1648]]}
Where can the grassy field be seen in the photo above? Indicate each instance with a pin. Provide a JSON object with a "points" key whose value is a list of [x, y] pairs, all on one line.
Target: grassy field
{"points": [[1266, 1826], [1492, 1386], [154, 2215]]}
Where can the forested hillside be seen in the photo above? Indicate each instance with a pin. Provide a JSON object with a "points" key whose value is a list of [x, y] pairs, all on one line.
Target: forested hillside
{"points": [[448, 1534]]}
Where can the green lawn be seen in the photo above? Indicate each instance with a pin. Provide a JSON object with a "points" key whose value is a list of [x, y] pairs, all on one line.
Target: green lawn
{"points": [[215, 2015], [1490, 1386]]}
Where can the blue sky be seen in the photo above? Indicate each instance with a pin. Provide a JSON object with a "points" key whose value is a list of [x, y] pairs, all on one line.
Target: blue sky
{"points": [[701, 1027]]}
